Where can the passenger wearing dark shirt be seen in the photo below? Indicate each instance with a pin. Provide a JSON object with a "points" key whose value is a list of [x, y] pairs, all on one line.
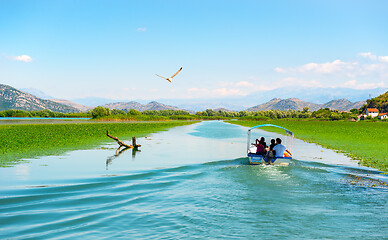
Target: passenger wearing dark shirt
{"points": [[273, 143]]}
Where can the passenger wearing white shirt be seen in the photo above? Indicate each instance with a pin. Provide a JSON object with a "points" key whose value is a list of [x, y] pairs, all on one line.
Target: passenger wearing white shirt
{"points": [[279, 148]]}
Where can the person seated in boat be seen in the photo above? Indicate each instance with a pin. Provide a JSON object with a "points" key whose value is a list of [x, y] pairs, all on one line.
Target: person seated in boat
{"points": [[273, 143], [261, 146], [270, 152], [262, 140], [279, 148]]}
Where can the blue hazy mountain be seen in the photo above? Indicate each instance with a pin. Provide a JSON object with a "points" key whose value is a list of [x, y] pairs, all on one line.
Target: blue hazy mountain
{"points": [[98, 101], [36, 92], [317, 95], [312, 95]]}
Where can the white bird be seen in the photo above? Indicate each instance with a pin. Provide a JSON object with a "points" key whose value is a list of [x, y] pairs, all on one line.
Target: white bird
{"points": [[170, 78]]}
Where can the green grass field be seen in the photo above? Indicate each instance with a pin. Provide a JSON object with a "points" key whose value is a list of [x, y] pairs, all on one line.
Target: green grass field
{"points": [[31, 140], [365, 141]]}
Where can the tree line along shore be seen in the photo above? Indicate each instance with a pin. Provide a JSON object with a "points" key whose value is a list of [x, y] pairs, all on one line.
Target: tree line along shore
{"points": [[106, 114]]}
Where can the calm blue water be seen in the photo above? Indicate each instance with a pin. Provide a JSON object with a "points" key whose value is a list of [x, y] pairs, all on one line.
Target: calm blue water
{"points": [[192, 182]]}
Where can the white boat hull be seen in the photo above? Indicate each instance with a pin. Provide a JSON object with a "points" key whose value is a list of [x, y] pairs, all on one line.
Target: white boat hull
{"points": [[259, 159]]}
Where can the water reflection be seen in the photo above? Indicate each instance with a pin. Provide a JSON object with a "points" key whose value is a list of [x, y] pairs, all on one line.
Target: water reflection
{"points": [[120, 150]]}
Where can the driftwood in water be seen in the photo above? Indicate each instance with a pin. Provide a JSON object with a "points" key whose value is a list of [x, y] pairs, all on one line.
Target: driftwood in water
{"points": [[122, 144], [122, 148]]}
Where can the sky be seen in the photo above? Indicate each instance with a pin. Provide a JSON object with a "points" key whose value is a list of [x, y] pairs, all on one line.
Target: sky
{"points": [[228, 48]]}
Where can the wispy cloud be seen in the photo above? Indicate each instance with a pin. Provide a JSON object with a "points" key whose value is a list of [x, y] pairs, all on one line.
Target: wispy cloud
{"points": [[383, 59], [21, 58], [357, 74], [141, 29], [373, 57], [354, 84], [369, 71], [244, 84], [321, 68], [368, 55], [229, 92]]}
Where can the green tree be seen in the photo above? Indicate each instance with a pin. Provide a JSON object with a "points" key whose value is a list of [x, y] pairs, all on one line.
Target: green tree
{"points": [[100, 112], [118, 112], [133, 112], [211, 112], [355, 111]]}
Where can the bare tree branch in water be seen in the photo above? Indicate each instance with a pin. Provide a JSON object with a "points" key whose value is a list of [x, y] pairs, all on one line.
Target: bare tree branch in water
{"points": [[122, 148], [121, 143]]}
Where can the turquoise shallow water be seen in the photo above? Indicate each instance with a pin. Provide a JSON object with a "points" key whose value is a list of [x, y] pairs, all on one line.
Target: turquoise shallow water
{"points": [[192, 182]]}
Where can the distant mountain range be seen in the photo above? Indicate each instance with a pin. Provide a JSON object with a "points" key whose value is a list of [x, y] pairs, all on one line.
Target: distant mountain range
{"points": [[81, 108], [316, 94], [138, 106], [343, 105], [312, 95], [11, 98], [297, 104]]}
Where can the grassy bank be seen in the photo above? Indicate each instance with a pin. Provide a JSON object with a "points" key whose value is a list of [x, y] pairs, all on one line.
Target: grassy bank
{"points": [[365, 141], [26, 140]]}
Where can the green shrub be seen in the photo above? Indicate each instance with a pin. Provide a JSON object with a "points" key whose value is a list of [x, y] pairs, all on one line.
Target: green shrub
{"points": [[99, 112]]}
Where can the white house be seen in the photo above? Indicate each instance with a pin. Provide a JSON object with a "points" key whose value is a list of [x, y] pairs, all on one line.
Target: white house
{"points": [[383, 116], [373, 112]]}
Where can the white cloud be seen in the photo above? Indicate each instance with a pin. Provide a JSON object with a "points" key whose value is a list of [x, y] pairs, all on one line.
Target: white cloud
{"points": [[229, 92], [244, 84], [355, 85], [355, 74], [368, 55], [141, 29], [22, 58], [383, 59], [280, 70], [320, 68], [373, 57]]}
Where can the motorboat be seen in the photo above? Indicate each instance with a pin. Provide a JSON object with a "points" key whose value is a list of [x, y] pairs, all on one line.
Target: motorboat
{"points": [[269, 158]]}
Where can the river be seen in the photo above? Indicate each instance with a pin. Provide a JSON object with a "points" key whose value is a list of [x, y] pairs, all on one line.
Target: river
{"points": [[192, 182]]}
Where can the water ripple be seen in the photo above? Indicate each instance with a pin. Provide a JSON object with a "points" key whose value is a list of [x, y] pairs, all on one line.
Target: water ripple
{"points": [[224, 199]]}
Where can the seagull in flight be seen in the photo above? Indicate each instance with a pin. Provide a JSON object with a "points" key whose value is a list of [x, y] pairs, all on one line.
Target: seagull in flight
{"points": [[170, 78]]}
